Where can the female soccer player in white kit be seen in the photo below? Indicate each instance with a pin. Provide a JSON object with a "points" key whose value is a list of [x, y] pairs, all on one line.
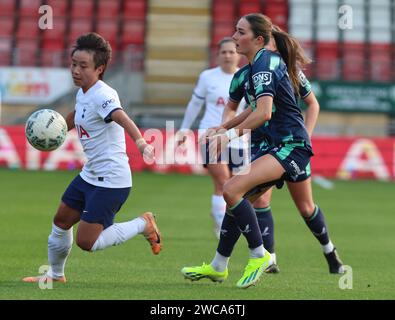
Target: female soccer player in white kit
{"points": [[98, 192], [212, 90]]}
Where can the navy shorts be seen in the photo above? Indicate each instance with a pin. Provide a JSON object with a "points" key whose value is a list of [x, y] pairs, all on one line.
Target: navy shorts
{"points": [[233, 157], [293, 156], [96, 204]]}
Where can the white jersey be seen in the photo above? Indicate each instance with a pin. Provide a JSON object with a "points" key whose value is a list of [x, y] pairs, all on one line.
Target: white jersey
{"points": [[212, 90], [103, 140], [213, 87]]}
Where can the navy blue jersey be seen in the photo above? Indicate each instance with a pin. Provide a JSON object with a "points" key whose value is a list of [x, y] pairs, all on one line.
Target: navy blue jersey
{"points": [[240, 78], [268, 76], [238, 84], [237, 91]]}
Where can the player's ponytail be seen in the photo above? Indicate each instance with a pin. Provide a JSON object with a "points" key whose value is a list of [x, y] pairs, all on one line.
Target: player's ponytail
{"points": [[292, 54]]}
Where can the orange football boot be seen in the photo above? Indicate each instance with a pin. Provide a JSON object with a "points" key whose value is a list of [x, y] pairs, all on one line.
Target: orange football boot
{"points": [[41, 278], [152, 233]]}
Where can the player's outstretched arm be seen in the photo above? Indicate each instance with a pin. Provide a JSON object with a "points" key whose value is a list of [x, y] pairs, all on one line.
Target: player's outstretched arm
{"points": [[70, 120], [120, 117], [262, 113], [233, 122], [191, 113], [230, 111], [237, 120]]}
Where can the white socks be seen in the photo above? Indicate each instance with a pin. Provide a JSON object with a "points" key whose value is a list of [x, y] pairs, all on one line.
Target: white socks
{"points": [[119, 233], [59, 247], [219, 262], [60, 242], [328, 247], [218, 208], [257, 252]]}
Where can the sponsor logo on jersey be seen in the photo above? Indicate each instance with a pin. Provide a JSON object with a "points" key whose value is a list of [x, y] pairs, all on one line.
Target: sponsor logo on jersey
{"points": [[262, 78], [107, 102], [81, 131]]}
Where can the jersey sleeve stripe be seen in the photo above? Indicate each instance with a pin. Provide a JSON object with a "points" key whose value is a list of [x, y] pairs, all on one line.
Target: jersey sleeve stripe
{"points": [[264, 94], [234, 100], [306, 95], [108, 119], [197, 96]]}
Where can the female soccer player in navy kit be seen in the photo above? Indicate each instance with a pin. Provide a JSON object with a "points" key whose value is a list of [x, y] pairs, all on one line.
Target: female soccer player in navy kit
{"points": [[301, 189], [212, 90], [99, 191], [270, 92]]}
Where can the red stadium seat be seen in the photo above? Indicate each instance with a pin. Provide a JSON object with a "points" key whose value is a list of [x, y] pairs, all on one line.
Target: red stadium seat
{"points": [[7, 8], [278, 14], [28, 28], [59, 7], [52, 58], [25, 52], [108, 9], [326, 60], [223, 11], [53, 44], [79, 27], [82, 9], [222, 30], [6, 26], [354, 64], [133, 32], [58, 30], [275, 3], [108, 29], [249, 7], [53, 39], [134, 9], [5, 51], [381, 62], [29, 8]]}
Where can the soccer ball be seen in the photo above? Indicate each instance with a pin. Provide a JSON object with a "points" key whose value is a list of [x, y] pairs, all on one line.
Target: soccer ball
{"points": [[46, 130]]}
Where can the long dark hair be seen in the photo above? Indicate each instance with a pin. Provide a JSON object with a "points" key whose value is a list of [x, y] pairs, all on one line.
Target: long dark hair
{"points": [[292, 54]]}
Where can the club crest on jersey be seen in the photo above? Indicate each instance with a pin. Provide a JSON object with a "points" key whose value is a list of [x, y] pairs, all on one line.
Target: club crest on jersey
{"points": [[107, 102], [262, 78]]}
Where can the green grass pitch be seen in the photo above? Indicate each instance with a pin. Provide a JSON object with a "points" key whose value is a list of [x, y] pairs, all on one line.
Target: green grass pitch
{"points": [[360, 217]]}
